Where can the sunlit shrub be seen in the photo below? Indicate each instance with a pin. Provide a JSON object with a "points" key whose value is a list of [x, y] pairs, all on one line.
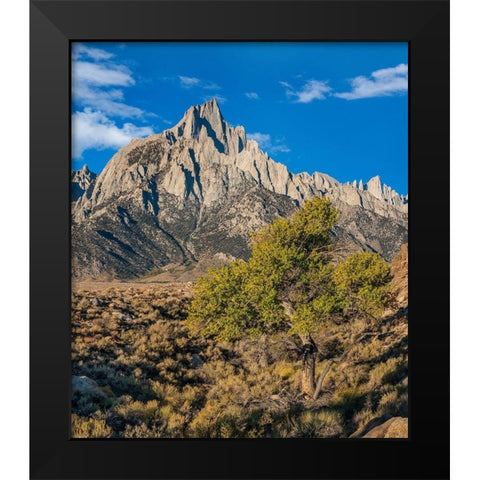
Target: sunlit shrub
{"points": [[89, 428]]}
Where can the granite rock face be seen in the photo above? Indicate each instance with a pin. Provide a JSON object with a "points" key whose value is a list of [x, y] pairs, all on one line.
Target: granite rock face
{"points": [[84, 384], [82, 182], [399, 271], [382, 192], [196, 190], [385, 426], [396, 427]]}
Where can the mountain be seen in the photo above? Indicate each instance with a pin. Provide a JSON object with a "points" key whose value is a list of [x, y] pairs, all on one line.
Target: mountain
{"points": [[82, 182], [191, 194]]}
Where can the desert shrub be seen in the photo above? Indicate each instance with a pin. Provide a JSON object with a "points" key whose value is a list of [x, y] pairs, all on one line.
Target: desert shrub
{"points": [[158, 379], [285, 370], [232, 421], [89, 428], [134, 411], [83, 304], [312, 424], [176, 425], [107, 390], [361, 418], [88, 402], [391, 371], [139, 305], [371, 350], [348, 400], [142, 430], [393, 402]]}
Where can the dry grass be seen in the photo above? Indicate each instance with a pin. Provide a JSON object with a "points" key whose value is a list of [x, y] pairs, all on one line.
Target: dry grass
{"points": [[158, 380]]}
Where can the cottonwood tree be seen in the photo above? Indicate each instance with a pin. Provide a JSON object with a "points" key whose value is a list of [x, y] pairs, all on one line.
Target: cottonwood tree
{"points": [[289, 284]]}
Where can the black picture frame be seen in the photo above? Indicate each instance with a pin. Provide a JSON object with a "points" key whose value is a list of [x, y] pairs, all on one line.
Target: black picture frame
{"points": [[425, 25]]}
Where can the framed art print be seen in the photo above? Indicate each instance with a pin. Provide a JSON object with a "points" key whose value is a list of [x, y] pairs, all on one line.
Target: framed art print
{"points": [[237, 223]]}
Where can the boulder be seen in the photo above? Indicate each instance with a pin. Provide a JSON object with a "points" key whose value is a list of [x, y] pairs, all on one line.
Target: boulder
{"points": [[84, 384], [375, 422], [197, 361], [396, 427]]}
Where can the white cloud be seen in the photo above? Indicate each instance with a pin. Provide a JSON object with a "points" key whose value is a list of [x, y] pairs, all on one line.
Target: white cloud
{"points": [[189, 82], [263, 139], [93, 129], [280, 148], [80, 50], [252, 95], [120, 109], [108, 101], [286, 85], [101, 75], [220, 99], [98, 85], [311, 90], [210, 86], [383, 82], [265, 142]]}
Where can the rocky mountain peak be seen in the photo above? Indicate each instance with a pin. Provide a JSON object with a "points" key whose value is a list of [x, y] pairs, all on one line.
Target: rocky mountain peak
{"points": [[83, 180], [206, 121], [210, 111], [206, 113], [195, 191], [382, 192], [374, 186]]}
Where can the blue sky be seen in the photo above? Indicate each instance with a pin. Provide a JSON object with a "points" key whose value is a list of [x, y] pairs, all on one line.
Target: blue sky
{"points": [[336, 108]]}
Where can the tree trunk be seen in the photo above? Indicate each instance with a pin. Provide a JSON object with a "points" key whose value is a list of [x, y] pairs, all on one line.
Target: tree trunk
{"points": [[309, 352], [318, 388], [320, 380]]}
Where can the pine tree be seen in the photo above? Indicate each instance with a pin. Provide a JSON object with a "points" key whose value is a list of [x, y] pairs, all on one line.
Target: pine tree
{"points": [[290, 284]]}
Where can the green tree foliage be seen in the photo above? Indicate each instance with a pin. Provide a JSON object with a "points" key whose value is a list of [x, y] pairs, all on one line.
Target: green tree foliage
{"points": [[290, 284], [219, 308], [285, 285], [363, 285]]}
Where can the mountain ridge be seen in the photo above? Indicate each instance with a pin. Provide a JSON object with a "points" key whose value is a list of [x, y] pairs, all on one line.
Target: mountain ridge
{"points": [[197, 189]]}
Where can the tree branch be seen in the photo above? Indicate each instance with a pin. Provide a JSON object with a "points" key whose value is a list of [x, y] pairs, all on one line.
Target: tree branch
{"points": [[339, 359]]}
